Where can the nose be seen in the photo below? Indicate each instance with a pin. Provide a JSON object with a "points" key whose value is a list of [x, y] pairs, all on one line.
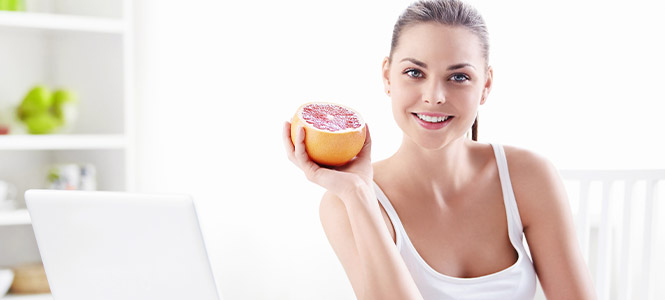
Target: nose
{"points": [[434, 93]]}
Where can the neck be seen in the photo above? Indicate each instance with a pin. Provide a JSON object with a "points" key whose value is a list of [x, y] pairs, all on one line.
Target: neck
{"points": [[447, 169]]}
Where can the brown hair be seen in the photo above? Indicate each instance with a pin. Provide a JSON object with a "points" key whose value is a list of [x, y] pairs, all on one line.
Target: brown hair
{"points": [[447, 12]]}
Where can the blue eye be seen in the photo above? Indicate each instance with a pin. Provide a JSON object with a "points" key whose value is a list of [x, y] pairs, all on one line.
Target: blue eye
{"points": [[414, 73], [459, 77]]}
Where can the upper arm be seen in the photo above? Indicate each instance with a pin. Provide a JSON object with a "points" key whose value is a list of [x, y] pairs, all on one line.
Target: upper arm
{"points": [[548, 227]]}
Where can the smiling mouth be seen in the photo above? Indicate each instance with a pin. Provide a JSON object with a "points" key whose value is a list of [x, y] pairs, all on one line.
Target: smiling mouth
{"points": [[432, 119]]}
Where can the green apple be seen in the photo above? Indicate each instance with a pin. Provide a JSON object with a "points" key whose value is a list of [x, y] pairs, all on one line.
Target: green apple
{"points": [[38, 100], [64, 105], [14, 5], [41, 123]]}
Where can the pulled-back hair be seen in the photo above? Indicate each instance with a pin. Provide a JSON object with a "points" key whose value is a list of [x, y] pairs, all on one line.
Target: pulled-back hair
{"points": [[446, 12]]}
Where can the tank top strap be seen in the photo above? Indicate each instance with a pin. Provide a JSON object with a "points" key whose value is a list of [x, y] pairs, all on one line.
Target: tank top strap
{"points": [[512, 212], [392, 214]]}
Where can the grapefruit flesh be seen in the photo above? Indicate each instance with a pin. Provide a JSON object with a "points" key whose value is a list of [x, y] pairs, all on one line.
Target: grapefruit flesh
{"points": [[334, 134]]}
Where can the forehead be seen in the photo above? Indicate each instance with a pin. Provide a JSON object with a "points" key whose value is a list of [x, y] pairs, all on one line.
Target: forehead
{"points": [[433, 42]]}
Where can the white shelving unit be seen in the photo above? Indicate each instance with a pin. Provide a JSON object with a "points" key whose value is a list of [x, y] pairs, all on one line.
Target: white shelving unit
{"points": [[63, 142], [54, 22], [29, 297], [85, 46]]}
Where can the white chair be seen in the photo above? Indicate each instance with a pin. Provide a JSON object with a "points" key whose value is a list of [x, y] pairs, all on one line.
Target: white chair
{"points": [[616, 220]]}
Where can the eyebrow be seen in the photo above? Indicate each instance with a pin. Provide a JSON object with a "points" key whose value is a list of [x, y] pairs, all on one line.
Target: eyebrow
{"points": [[424, 65], [415, 62], [460, 66]]}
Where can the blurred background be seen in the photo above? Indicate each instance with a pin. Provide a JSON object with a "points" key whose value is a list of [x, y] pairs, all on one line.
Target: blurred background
{"points": [[190, 97]]}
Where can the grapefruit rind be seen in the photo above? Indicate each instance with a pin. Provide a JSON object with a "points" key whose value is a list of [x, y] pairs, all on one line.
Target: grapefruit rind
{"points": [[330, 148]]}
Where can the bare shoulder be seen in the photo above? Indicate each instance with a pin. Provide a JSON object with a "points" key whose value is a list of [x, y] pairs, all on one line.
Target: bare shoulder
{"points": [[536, 183], [379, 167], [522, 161], [548, 226]]}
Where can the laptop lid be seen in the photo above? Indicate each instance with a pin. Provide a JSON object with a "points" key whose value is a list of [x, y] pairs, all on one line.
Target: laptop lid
{"points": [[112, 245]]}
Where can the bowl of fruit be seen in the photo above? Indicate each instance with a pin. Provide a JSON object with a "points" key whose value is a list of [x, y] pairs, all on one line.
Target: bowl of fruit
{"points": [[43, 111]]}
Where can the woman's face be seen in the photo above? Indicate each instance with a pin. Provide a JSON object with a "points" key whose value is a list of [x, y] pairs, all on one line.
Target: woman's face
{"points": [[436, 79]]}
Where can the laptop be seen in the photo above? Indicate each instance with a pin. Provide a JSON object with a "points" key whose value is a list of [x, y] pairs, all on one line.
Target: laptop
{"points": [[113, 245]]}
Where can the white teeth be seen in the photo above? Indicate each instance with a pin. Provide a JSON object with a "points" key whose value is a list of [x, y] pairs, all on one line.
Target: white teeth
{"points": [[432, 119]]}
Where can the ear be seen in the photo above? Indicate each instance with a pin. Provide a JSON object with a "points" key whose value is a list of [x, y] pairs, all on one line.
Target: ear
{"points": [[385, 74], [488, 85]]}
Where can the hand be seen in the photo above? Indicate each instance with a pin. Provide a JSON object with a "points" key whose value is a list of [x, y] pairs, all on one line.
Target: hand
{"points": [[338, 180]]}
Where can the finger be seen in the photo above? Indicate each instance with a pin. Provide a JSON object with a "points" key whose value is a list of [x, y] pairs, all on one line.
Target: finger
{"points": [[288, 144], [299, 144], [312, 171]]}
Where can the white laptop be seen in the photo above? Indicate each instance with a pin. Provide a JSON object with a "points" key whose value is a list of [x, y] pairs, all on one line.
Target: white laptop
{"points": [[112, 245]]}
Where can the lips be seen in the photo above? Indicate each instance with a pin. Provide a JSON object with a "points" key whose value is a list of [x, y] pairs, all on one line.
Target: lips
{"points": [[433, 121], [433, 118]]}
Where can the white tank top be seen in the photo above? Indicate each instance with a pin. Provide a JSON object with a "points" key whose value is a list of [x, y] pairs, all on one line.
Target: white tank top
{"points": [[517, 282]]}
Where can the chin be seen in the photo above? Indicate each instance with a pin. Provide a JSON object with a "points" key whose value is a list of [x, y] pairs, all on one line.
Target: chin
{"points": [[434, 144], [430, 140]]}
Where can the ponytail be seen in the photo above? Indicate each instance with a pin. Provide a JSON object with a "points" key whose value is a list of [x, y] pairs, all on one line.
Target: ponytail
{"points": [[474, 130]]}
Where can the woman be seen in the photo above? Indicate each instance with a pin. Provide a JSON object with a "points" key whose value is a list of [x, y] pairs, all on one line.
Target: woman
{"points": [[444, 217]]}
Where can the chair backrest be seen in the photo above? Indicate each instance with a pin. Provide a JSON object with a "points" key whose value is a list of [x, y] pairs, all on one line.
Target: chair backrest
{"points": [[615, 213]]}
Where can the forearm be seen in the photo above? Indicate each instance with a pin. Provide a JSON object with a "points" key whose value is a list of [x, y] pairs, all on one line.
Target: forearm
{"points": [[385, 273]]}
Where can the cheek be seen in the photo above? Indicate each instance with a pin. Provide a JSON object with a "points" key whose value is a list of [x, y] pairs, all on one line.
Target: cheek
{"points": [[403, 91], [397, 109], [399, 106], [469, 97]]}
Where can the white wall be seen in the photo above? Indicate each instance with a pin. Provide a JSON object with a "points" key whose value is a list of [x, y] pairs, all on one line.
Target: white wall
{"points": [[573, 81], [578, 81]]}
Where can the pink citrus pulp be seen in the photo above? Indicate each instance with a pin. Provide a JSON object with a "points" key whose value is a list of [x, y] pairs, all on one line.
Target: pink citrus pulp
{"points": [[334, 134]]}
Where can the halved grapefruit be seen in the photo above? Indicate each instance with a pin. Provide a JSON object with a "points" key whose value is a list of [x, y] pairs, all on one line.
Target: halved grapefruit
{"points": [[334, 134]]}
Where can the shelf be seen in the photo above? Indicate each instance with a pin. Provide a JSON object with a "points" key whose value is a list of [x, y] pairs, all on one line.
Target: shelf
{"points": [[28, 297], [60, 22], [14, 217], [62, 142]]}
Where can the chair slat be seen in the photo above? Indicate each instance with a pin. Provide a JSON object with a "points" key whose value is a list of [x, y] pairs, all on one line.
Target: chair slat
{"points": [[617, 262], [583, 219], [604, 249], [624, 274], [647, 240]]}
